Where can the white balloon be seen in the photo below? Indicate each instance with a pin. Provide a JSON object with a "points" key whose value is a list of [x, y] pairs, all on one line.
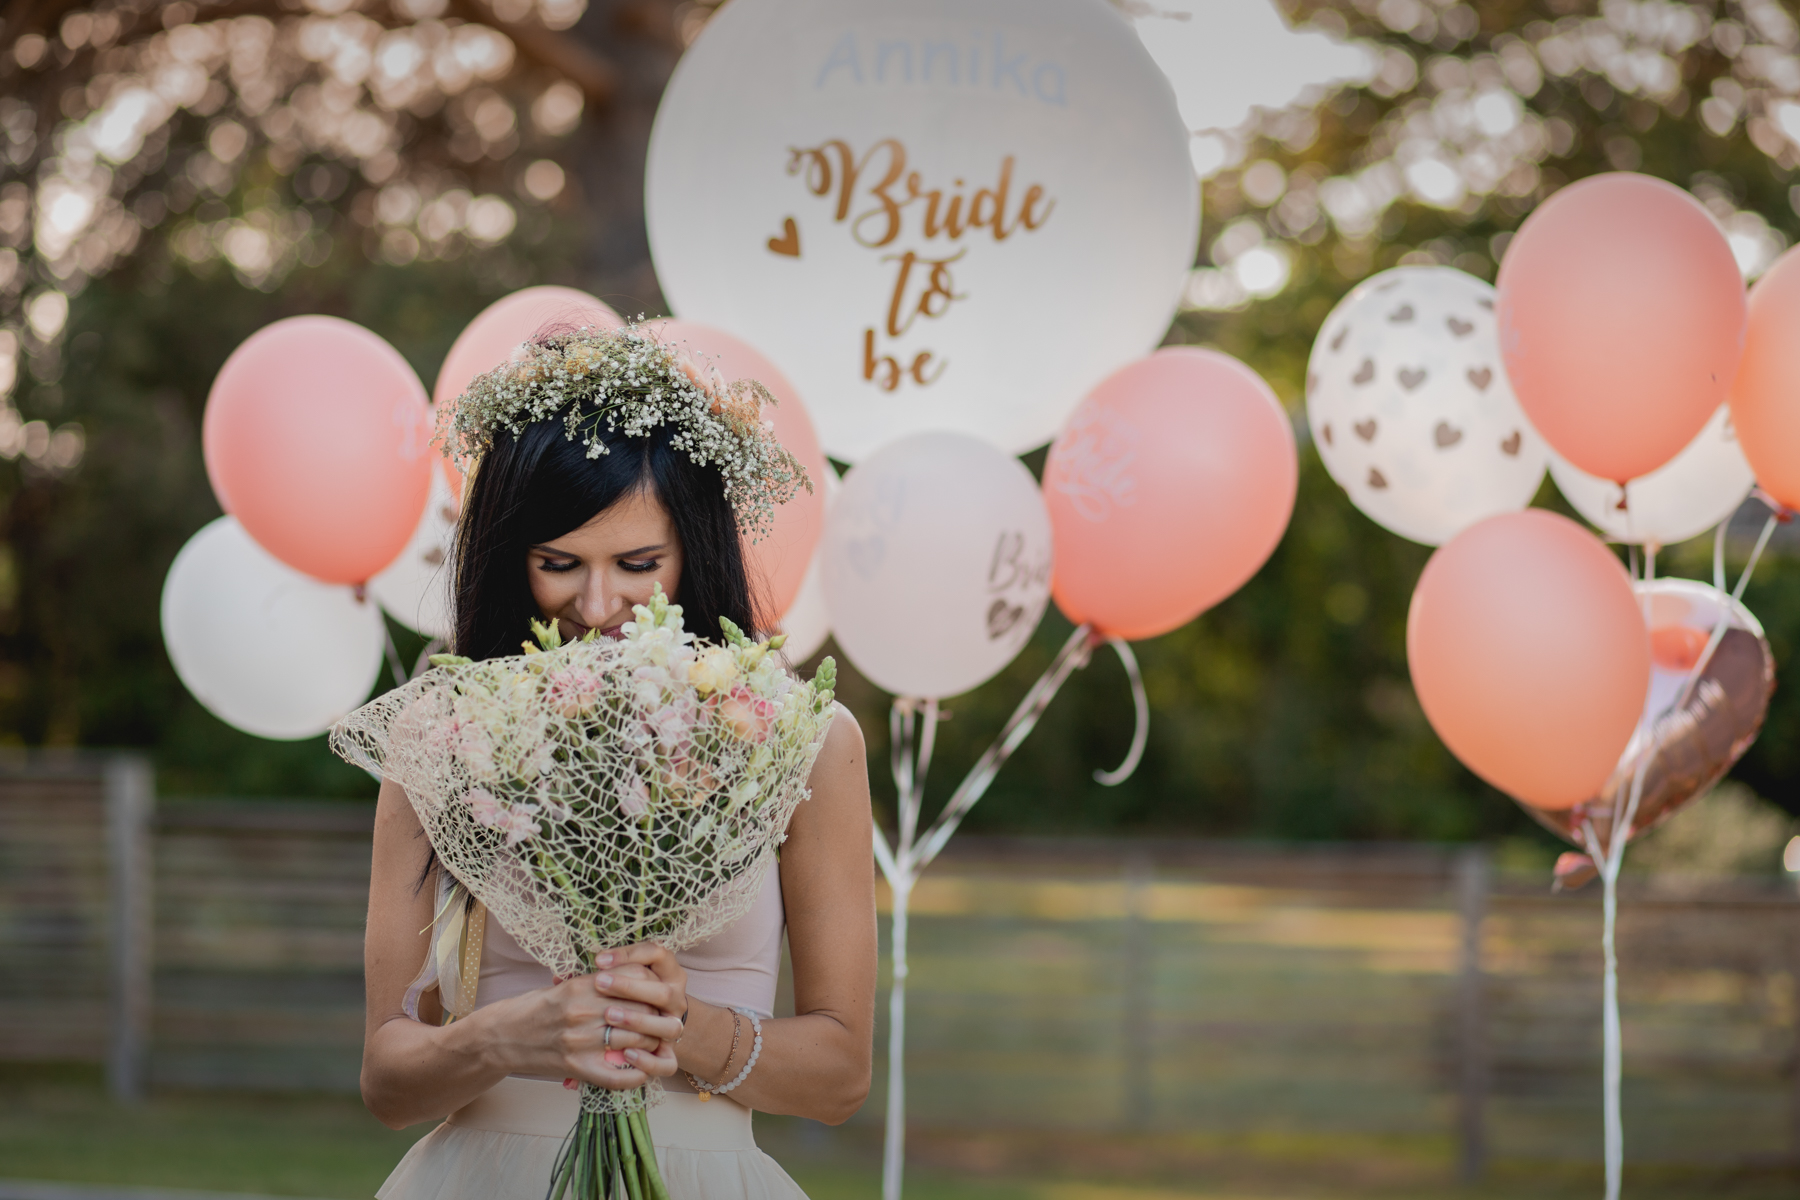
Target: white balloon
{"points": [[986, 204], [415, 588], [263, 647], [807, 622], [1683, 498], [1410, 407], [936, 563]]}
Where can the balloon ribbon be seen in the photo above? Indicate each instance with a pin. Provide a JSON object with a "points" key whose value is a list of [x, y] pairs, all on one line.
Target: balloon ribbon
{"points": [[912, 729]]}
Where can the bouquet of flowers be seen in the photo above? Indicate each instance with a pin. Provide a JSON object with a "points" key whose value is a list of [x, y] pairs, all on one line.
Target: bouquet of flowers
{"points": [[598, 793]]}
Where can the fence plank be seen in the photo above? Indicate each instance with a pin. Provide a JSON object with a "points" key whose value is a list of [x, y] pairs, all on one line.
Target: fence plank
{"points": [[1472, 872], [130, 792]]}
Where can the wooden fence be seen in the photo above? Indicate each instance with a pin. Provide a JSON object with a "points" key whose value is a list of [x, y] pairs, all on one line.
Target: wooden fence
{"points": [[1218, 989], [75, 910]]}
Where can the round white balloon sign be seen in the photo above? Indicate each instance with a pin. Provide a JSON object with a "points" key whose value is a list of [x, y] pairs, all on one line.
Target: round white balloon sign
{"points": [[936, 563], [931, 214]]}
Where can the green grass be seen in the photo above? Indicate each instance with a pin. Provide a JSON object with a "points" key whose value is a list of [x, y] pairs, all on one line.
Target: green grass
{"points": [[57, 1124]]}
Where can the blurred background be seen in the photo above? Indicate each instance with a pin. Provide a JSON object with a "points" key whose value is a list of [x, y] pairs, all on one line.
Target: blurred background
{"points": [[1302, 952]]}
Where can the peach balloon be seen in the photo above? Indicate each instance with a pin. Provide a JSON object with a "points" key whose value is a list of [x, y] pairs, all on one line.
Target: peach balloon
{"points": [[1621, 315], [778, 562], [500, 329], [1765, 400], [1530, 655], [1168, 488], [319, 433]]}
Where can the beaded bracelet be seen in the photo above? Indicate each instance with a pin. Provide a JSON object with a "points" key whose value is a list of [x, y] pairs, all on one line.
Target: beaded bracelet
{"points": [[708, 1091]]}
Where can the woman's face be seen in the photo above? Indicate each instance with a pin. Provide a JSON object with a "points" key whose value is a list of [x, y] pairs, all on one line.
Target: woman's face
{"points": [[590, 577]]}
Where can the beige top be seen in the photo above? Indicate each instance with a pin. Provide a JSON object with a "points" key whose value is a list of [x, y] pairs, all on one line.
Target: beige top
{"points": [[735, 968]]}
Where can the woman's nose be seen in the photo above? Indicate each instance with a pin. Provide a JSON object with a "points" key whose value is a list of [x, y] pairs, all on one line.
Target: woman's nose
{"points": [[597, 601]]}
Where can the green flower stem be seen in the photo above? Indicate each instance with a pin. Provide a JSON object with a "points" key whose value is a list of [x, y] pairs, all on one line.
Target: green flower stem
{"points": [[640, 1128], [628, 1160]]}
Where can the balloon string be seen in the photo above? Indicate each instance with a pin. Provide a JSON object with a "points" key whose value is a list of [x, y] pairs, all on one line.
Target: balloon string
{"points": [[393, 655], [423, 662], [1140, 703], [1610, 860], [1074, 654], [1724, 619]]}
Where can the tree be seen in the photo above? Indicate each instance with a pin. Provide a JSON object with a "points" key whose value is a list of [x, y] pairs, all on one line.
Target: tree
{"points": [[176, 176], [1286, 711]]}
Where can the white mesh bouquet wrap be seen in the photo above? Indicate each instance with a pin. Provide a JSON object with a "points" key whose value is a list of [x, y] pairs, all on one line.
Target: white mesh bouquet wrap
{"points": [[603, 792]]}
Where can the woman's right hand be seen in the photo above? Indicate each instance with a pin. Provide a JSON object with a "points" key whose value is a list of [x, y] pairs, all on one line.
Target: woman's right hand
{"points": [[559, 1032]]}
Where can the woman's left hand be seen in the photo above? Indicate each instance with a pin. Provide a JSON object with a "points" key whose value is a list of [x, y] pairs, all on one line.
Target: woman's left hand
{"points": [[663, 991]]}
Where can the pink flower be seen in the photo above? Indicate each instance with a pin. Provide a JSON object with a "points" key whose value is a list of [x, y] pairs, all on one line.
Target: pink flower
{"points": [[488, 809], [552, 806], [572, 690], [475, 748], [518, 823], [671, 722], [747, 714], [634, 796]]}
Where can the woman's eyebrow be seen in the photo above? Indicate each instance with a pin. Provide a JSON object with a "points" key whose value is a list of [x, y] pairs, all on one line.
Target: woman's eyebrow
{"points": [[642, 550]]}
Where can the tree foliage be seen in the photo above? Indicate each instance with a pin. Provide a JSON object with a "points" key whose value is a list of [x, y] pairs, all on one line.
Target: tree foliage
{"points": [[1286, 711]]}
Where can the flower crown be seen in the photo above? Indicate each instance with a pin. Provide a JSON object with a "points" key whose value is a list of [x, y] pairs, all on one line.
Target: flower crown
{"points": [[625, 382]]}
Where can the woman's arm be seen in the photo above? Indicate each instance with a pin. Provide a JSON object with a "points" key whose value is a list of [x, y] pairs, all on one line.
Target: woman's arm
{"points": [[816, 1063], [414, 1071]]}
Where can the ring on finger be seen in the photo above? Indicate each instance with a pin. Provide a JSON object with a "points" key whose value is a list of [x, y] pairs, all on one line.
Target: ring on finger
{"points": [[606, 1038]]}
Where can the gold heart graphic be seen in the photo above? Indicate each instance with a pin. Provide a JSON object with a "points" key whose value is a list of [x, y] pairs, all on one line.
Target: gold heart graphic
{"points": [[788, 243], [1481, 377], [1364, 373], [1401, 315], [1411, 377], [1366, 429], [1325, 433], [1376, 479], [1510, 447], [1446, 435], [1337, 343], [1459, 327]]}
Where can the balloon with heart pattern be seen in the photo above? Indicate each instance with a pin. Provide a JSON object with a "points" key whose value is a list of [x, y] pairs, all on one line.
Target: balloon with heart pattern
{"points": [[1692, 735], [1683, 498], [1410, 410]]}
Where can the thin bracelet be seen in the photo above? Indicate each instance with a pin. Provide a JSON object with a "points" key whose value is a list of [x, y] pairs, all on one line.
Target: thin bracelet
{"points": [[709, 1090], [755, 1052]]}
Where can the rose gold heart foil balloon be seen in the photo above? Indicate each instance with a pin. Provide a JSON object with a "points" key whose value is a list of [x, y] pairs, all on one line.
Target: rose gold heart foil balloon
{"points": [[1692, 744]]}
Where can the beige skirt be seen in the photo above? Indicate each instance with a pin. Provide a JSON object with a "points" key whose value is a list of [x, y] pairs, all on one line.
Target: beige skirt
{"points": [[503, 1144]]}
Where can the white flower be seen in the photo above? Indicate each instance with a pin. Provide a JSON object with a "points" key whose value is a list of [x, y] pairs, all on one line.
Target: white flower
{"points": [[714, 670]]}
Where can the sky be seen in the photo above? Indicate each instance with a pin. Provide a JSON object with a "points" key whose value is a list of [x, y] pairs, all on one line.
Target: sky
{"points": [[1226, 57]]}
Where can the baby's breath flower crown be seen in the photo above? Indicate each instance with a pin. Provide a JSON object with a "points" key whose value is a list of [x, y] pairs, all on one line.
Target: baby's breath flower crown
{"points": [[625, 382]]}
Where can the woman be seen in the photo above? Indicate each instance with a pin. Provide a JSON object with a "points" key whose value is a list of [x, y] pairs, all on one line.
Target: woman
{"points": [[554, 529]]}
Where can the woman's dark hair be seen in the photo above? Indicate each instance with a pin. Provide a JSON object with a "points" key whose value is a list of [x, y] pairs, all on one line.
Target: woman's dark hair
{"points": [[539, 485]]}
